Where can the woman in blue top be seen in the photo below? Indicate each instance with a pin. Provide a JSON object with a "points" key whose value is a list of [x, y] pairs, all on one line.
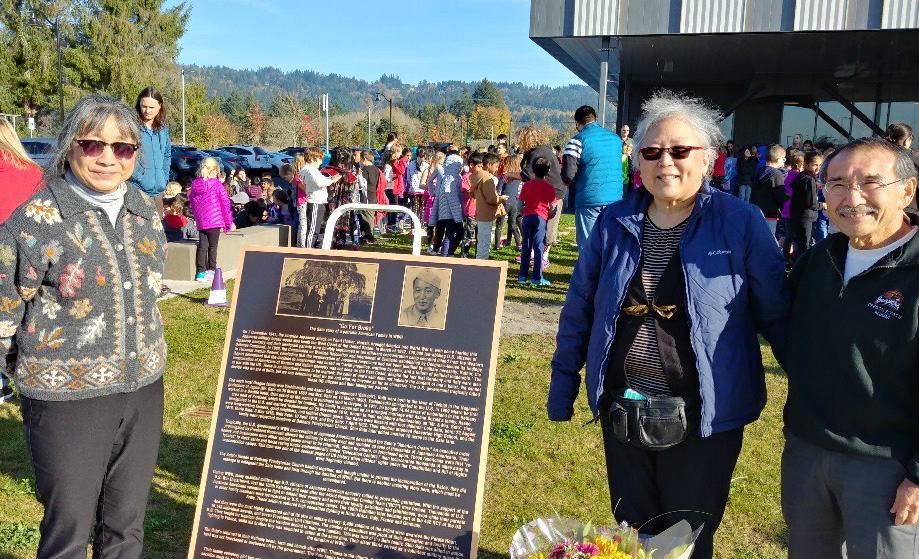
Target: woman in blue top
{"points": [[152, 171], [664, 308]]}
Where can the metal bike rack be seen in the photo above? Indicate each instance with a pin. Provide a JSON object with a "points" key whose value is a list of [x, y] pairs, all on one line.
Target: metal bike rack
{"points": [[337, 213]]}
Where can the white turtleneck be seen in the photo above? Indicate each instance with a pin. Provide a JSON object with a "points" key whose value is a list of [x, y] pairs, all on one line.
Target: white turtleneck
{"points": [[110, 202]]}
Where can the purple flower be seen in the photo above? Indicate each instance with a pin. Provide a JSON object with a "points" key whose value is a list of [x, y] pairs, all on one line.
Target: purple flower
{"points": [[588, 549]]}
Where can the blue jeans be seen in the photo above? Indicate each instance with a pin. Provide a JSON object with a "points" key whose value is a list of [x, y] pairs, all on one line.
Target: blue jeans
{"points": [[584, 219], [744, 191], [534, 239], [453, 232]]}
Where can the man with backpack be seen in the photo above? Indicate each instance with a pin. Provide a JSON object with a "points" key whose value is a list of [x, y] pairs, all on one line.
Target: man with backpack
{"points": [[769, 186]]}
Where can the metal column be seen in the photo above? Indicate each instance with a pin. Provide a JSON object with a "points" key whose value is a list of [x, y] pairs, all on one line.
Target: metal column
{"points": [[604, 79]]}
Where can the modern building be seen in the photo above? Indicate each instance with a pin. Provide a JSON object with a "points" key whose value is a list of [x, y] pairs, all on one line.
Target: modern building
{"points": [[836, 69]]}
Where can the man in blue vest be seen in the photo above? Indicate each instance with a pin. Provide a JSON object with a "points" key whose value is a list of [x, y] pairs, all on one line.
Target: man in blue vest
{"points": [[592, 169]]}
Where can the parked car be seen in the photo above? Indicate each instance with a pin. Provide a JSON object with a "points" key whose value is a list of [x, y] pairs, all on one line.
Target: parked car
{"points": [[185, 161], [41, 150], [293, 150], [252, 158], [278, 160], [229, 162]]}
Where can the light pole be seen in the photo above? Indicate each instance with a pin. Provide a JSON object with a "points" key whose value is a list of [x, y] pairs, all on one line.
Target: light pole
{"points": [[183, 108], [325, 107], [390, 108], [60, 69], [369, 109]]}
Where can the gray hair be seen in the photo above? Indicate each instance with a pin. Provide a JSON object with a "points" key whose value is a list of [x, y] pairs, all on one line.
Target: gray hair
{"points": [[903, 165], [665, 104], [90, 115]]}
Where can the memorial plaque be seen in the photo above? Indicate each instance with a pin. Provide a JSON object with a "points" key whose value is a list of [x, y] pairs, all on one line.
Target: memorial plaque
{"points": [[353, 408]]}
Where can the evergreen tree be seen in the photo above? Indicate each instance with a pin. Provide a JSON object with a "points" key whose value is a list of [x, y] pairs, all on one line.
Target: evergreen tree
{"points": [[487, 95], [234, 107], [463, 106], [122, 46], [28, 54]]}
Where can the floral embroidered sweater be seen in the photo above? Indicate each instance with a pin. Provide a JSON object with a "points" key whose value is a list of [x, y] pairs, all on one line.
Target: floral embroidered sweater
{"points": [[78, 314]]}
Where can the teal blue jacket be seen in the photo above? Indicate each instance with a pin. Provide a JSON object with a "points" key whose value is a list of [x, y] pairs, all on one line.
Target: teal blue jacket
{"points": [[151, 172], [592, 166]]}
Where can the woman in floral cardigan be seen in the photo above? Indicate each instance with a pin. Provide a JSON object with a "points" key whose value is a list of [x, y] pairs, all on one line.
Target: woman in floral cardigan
{"points": [[81, 263]]}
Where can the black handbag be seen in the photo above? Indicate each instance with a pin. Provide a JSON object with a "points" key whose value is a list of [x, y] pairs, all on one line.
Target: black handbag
{"points": [[657, 423]]}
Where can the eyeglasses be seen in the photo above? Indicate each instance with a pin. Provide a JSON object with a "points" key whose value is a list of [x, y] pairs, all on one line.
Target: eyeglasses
{"points": [[94, 148], [676, 152], [867, 187]]}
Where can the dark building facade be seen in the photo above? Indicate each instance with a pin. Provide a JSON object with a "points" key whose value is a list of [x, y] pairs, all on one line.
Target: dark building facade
{"points": [[825, 69]]}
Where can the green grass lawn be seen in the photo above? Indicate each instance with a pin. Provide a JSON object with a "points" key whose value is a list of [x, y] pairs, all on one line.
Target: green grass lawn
{"points": [[533, 465]]}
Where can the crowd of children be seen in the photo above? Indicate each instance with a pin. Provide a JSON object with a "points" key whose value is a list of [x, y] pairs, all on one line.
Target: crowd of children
{"points": [[467, 201], [213, 203]]}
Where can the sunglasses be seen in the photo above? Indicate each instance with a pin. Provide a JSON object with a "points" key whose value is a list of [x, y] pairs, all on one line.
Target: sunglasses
{"points": [[676, 152], [94, 148]]}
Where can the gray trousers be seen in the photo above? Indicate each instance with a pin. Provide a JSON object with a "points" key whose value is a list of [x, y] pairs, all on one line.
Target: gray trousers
{"points": [[483, 239], [93, 461], [838, 505]]}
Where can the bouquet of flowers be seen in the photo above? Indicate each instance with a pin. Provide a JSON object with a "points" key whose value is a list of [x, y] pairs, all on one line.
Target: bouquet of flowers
{"points": [[566, 538]]}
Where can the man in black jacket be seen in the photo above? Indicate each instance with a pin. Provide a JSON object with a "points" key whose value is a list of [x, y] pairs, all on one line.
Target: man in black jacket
{"points": [[850, 468], [769, 186]]}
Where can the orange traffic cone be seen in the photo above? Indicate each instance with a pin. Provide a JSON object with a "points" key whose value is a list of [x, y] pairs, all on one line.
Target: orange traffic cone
{"points": [[218, 296]]}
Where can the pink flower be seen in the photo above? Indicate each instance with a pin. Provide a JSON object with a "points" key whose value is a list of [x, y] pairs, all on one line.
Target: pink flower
{"points": [[588, 549], [560, 551]]}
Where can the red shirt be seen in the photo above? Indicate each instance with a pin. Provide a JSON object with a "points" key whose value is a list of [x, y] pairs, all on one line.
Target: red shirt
{"points": [[537, 196], [468, 200], [18, 185], [718, 170]]}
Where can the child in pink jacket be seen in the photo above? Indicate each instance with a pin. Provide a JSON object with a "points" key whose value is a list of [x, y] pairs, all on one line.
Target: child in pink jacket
{"points": [[210, 205]]}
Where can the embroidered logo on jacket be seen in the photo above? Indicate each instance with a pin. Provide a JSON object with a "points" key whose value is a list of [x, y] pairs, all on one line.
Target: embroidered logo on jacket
{"points": [[888, 304]]}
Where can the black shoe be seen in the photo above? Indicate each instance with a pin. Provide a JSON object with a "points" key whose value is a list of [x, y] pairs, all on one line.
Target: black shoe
{"points": [[7, 394]]}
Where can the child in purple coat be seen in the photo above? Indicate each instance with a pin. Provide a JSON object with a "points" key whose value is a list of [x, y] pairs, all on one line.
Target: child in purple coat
{"points": [[211, 208]]}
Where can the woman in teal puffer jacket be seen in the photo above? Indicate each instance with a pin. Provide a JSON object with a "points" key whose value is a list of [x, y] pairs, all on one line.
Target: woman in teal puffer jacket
{"points": [[152, 170]]}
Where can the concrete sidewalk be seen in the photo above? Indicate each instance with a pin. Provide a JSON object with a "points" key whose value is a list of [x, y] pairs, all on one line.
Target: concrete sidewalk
{"points": [[177, 287]]}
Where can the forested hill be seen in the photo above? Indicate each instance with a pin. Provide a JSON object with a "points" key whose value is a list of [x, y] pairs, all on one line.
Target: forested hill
{"points": [[351, 94]]}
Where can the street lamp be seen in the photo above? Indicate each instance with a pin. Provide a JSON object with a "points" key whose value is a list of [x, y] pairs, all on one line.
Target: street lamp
{"points": [[390, 108], [60, 71], [183, 108]]}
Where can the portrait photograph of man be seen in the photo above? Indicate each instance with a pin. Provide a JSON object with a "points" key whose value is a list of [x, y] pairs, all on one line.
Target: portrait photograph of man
{"points": [[425, 292]]}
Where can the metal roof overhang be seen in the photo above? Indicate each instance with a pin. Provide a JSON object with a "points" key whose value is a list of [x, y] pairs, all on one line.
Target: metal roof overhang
{"points": [[784, 64]]}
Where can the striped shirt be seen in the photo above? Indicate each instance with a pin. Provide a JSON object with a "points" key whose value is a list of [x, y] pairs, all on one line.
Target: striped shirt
{"points": [[644, 371]]}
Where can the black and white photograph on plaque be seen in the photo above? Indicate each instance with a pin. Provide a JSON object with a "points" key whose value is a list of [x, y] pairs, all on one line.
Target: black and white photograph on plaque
{"points": [[425, 292], [327, 289]]}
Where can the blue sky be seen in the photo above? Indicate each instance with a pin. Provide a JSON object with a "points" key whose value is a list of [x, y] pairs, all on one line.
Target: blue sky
{"points": [[415, 40]]}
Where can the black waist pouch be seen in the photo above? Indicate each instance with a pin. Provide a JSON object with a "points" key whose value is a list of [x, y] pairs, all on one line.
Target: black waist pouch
{"points": [[657, 423]]}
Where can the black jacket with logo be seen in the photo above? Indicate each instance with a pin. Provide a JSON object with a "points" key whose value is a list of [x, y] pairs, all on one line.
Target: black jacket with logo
{"points": [[853, 369]]}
